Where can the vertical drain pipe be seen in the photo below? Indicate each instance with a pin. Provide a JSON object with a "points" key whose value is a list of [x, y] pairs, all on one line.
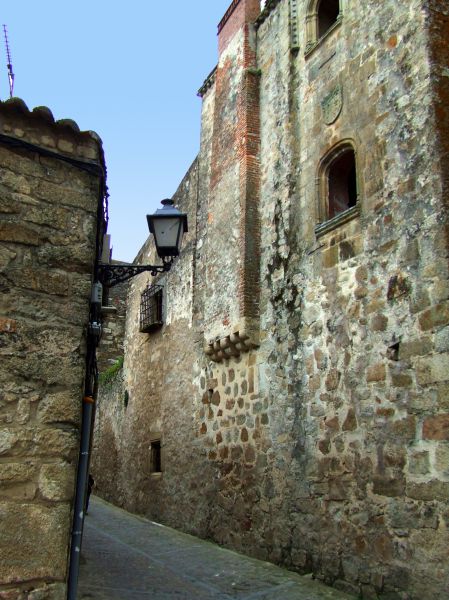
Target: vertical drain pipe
{"points": [[83, 470]]}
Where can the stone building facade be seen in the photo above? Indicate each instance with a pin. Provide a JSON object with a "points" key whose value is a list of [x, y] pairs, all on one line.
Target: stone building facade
{"points": [[294, 403], [51, 194]]}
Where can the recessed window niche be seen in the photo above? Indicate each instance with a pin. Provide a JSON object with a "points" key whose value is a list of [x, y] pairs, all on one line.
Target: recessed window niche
{"points": [[338, 186], [328, 12], [322, 16]]}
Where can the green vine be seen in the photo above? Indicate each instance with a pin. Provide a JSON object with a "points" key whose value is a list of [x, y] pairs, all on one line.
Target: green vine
{"points": [[107, 377]]}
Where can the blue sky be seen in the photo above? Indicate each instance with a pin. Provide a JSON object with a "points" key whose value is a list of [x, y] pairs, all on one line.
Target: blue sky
{"points": [[129, 71]]}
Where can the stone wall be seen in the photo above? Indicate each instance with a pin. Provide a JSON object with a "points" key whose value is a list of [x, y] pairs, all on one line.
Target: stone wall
{"points": [[322, 444], [50, 189], [153, 367], [113, 326]]}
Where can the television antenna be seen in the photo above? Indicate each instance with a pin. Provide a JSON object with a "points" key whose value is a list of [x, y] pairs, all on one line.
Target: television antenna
{"points": [[9, 64]]}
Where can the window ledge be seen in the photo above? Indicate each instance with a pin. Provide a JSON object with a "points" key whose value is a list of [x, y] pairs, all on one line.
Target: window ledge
{"points": [[313, 45], [156, 475], [151, 327], [338, 220]]}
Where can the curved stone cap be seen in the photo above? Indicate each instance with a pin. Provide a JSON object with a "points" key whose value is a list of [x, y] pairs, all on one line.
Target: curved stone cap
{"points": [[44, 114], [270, 5], [208, 83]]}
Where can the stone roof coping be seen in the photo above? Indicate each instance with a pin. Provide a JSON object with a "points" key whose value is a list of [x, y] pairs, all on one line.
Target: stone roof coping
{"points": [[208, 82], [44, 114], [227, 14], [268, 8]]}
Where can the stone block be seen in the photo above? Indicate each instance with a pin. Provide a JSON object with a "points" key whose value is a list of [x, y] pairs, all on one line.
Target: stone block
{"points": [[59, 370], [56, 481], [330, 257], [419, 463], [212, 383], [388, 486], [398, 286], [40, 280], [406, 515], [401, 380], [436, 428], [442, 340], [27, 527], [383, 547], [436, 316], [402, 431], [429, 491], [8, 439], [216, 398], [16, 472], [332, 380], [420, 301], [417, 347], [314, 383], [65, 196], [376, 373], [62, 407], [65, 146], [8, 325], [18, 233], [18, 491], [443, 396], [12, 594], [442, 459], [57, 591], [350, 423], [432, 369], [379, 323], [56, 442], [362, 292]]}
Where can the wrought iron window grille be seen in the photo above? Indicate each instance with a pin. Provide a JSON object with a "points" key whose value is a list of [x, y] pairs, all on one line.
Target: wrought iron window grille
{"points": [[151, 308]]}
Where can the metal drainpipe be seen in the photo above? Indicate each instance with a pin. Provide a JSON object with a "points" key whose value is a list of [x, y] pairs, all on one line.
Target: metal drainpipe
{"points": [[83, 469]]}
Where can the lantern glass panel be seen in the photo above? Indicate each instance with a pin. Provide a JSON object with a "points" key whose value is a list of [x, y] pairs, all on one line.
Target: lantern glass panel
{"points": [[167, 233]]}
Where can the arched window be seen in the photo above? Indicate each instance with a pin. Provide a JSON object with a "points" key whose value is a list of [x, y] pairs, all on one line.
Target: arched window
{"points": [[338, 188], [322, 15], [328, 11]]}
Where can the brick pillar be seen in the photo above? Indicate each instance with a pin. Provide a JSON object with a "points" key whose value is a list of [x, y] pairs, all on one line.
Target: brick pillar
{"points": [[235, 163], [240, 14], [439, 56]]}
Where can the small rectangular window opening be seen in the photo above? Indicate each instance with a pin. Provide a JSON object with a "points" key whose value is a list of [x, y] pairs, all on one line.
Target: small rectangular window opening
{"points": [[156, 462], [151, 307]]}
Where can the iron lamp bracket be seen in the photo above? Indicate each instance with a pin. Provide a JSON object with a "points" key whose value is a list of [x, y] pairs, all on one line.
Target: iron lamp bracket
{"points": [[110, 275]]}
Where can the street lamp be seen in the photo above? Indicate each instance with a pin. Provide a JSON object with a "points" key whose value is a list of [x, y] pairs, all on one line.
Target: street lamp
{"points": [[168, 226]]}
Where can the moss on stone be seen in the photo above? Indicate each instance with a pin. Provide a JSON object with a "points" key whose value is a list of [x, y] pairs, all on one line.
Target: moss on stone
{"points": [[107, 377]]}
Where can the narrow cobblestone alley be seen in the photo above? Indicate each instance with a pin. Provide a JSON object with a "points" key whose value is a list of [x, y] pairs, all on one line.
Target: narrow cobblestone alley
{"points": [[126, 557]]}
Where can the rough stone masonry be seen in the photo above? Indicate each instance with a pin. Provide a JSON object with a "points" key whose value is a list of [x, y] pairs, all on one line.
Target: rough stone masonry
{"points": [[50, 192], [298, 389]]}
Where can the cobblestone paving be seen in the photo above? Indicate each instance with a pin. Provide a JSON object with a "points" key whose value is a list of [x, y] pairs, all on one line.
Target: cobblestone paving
{"points": [[126, 557]]}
